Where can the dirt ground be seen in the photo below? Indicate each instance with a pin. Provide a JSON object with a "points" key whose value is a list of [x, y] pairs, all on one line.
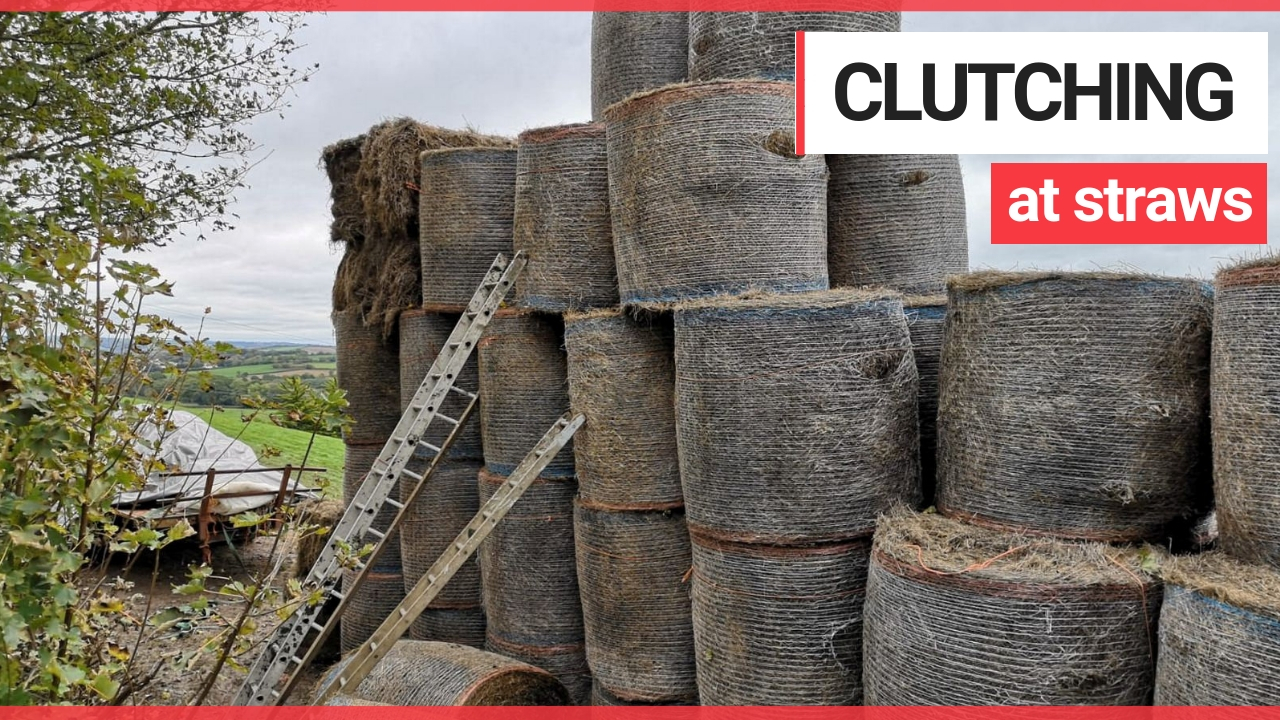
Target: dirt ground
{"points": [[168, 649]]}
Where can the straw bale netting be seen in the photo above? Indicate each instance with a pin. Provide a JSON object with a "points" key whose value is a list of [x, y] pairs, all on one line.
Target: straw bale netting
{"points": [[896, 221], [1075, 404], [1219, 633], [447, 502], [464, 626], [763, 44], [388, 179], [422, 335], [1246, 410], [632, 52], [622, 380], [957, 614], [709, 197], [796, 414], [601, 697], [568, 663], [373, 603], [925, 317], [635, 603], [562, 219], [778, 626], [417, 673], [529, 567], [523, 388], [468, 203], [359, 459], [368, 370]]}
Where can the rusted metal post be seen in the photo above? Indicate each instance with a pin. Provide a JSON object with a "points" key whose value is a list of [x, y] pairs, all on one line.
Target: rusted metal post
{"points": [[284, 488], [206, 518]]}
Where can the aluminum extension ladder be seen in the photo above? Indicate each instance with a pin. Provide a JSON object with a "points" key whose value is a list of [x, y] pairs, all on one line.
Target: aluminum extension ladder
{"points": [[299, 639], [358, 665]]}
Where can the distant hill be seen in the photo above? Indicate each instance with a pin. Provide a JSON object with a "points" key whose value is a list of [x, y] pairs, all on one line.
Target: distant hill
{"points": [[271, 344]]}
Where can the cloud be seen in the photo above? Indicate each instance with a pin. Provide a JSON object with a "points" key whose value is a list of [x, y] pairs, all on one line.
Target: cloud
{"points": [[502, 73]]}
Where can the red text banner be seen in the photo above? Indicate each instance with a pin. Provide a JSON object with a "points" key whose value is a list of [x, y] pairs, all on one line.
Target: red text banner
{"points": [[1129, 203]]}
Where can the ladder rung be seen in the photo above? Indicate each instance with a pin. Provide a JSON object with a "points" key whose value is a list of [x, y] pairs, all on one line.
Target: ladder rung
{"points": [[428, 447], [296, 660], [446, 418], [376, 533], [317, 626], [396, 503], [411, 475], [338, 595], [465, 393]]}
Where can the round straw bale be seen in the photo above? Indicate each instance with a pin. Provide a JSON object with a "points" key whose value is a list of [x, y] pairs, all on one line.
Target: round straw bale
{"points": [[958, 614], [796, 414], [896, 221], [447, 502], [359, 459], [778, 626], [461, 627], [635, 604], [369, 371], [763, 44], [568, 663], [925, 317], [1246, 410], [418, 673], [373, 603], [709, 197], [468, 202], [422, 335], [1075, 404], [632, 52], [388, 178], [341, 162], [562, 219], [622, 379], [529, 567], [1219, 633], [341, 700], [523, 388]]}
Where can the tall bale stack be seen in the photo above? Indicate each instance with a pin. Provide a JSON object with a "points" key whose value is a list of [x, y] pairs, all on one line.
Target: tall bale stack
{"points": [[444, 506], [375, 180], [531, 585], [708, 196], [562, 219], [632, 543], [632, 52], [1219, 633], [926, 315], [1075, 404], [1246, 410], [896, 221], [528, 567], [763, 44], [417, 673], [383, 586], [465, 220], [796, 418], [422, 335], [368, 370], [960, 615], [523, 388]]}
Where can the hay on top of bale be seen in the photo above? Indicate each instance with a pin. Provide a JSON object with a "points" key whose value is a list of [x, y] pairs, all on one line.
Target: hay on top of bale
{"points": [[389, 169], [374, 187]]}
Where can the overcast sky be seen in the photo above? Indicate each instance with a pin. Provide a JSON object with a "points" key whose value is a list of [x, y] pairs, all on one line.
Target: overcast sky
{"points": [[269, 279]]}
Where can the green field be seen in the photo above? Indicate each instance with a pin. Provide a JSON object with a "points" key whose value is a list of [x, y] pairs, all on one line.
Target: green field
{"points": [[261, 433], [244, 370]]}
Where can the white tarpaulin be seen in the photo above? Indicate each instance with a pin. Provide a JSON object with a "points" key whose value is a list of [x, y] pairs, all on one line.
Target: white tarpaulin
{"points": [[188, 444]]}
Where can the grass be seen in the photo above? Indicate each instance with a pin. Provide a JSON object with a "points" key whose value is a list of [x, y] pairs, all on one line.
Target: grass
{"points": [[261, 433], [244, 370]]}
